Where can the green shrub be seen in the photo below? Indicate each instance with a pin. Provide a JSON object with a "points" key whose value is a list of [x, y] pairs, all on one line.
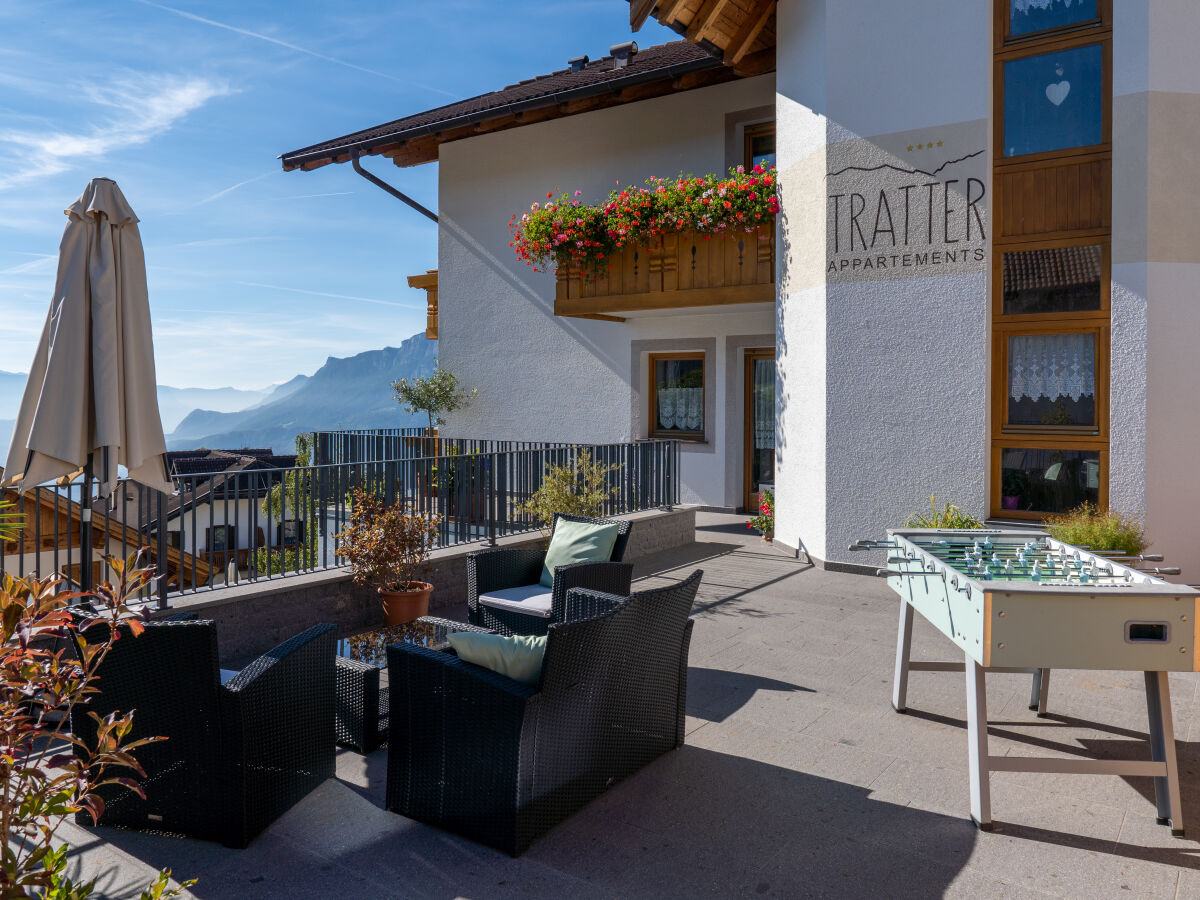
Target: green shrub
{"points": [[949, 517], [579, 488], [1087, 526]]}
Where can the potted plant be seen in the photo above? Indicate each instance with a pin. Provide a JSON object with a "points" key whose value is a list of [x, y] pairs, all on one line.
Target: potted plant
{"points": [[1013, 486], [764, 522], [388, 547]]}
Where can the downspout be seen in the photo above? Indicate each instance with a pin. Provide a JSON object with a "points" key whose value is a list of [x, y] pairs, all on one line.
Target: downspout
{"points": [[380, 183]]}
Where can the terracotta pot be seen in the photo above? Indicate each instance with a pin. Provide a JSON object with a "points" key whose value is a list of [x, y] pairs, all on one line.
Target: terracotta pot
{"points": [[404, 606]]}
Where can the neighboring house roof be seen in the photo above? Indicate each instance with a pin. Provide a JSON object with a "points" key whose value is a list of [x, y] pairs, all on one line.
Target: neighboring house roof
{"points": [[582, 87], [742, 31], [235, 474]]}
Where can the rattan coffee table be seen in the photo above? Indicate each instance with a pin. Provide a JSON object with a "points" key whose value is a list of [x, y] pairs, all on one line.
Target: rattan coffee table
{"points": [[362, 690]]}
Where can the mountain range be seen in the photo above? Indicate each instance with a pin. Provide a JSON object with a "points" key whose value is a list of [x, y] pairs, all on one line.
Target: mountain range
{"points": [[354, 392], [351, 392]]}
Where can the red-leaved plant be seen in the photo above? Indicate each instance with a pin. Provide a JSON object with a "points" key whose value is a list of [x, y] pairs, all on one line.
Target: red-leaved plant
{"points": [[46, 773], [386, 546], [568, 232]]}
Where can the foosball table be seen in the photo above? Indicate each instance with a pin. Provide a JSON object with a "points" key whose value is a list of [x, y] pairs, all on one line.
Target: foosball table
{"points": [[1021, 601]]}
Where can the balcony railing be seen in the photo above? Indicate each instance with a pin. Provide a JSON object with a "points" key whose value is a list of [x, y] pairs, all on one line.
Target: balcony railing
{"points": [[678, 270], [259, 524]]}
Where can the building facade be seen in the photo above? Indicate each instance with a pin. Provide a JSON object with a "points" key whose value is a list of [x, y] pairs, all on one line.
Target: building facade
{"points": [[982, 262]]}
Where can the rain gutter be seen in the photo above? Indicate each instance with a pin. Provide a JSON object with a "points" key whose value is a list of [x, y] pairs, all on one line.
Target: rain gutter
{"points": [[380, 183]]}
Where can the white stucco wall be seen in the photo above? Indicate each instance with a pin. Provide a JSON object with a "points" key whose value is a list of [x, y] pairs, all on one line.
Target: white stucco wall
{"points": [[542, 377], [885, 369], [1156, 267]]}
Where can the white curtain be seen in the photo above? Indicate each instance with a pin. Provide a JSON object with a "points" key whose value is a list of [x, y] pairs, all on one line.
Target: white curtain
{"points": [[1051, 366], [681, 409], [764, 404]]}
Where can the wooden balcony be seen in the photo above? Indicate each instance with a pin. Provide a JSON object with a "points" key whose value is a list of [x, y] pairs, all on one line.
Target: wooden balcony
{"points": [[680, 271]]}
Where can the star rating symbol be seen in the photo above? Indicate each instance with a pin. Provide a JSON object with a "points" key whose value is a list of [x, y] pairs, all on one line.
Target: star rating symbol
{"points": [[910, 148], [920, 146], [939, 143]]}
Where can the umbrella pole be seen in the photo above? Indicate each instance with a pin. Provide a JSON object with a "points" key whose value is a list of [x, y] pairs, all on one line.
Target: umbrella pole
{"points": [[85, 528]]}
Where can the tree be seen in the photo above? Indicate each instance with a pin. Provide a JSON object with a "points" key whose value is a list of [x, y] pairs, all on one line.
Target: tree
{"points": [[291, 498], [438, 394]]}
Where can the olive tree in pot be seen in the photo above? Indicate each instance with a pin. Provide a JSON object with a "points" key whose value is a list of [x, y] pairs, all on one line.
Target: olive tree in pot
{"points": [[388, 547]]}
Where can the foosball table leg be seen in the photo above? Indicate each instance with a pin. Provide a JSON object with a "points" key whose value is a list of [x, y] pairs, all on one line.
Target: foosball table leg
{"points": [[1039, 694], [977, 745], [903, 650], [1162, 749]]}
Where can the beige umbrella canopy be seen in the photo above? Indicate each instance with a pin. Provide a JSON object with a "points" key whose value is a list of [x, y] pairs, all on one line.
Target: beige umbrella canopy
{"points": [[92, 388]]}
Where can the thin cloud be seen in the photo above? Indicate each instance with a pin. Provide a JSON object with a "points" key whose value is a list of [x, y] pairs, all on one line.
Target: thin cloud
{"points": [[290, 46], [277, 287], [233, 187], [315, 196], [44, 263], [141, 109]]}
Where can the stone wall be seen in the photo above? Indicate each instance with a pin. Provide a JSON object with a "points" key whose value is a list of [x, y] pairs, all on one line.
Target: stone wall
{"points": [[253, 618]]}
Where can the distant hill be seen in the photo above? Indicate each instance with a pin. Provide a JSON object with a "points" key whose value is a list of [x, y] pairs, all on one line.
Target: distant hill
{"points": [[354, 392], [175, 403], [12, 386]]}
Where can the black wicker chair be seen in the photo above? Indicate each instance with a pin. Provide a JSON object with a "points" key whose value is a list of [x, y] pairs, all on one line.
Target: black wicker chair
{"points": [[513, 567], [238, 755], [502, 762]]}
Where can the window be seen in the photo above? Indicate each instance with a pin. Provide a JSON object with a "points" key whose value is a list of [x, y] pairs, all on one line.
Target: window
{"points": [[1054, 101], [760, 144], [291, 531], [1031, 16], [1051, 272], [677, 396], [1052, 280], [222, 538]]}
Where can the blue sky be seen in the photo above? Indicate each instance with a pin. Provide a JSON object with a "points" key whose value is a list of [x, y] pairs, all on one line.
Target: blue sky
{"points": [[255, 274]]}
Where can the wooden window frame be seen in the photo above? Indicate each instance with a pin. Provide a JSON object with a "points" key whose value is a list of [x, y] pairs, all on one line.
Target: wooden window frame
{"points": [[1006, 432], [1006, 41], [1002, 435], [749, 133], [1101, 38], [652, 429], [751, 354]]}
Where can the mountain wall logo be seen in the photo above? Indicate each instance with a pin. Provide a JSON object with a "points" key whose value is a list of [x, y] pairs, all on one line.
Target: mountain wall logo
{"points": [[889, 215]]}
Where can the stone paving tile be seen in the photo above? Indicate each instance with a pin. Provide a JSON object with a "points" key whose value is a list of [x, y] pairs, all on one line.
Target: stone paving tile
{"points": [[797, 780]]}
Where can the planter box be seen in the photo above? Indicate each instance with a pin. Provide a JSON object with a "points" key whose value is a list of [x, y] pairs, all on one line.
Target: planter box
{"points": [[677, 271]]}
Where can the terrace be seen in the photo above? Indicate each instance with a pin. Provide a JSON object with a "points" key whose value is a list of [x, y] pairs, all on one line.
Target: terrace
{"points": [[796, 778]]}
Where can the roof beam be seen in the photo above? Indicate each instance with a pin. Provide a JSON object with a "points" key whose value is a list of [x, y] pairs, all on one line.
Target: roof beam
{"points": [[757, 63], [756, 20], [666, 11], [704, 18], [639, 12]]}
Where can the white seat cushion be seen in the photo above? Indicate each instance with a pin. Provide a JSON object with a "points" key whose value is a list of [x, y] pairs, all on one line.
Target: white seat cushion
{"points": [[530, 599]]}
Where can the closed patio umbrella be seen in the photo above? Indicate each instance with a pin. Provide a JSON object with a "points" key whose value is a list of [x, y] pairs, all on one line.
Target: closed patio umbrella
{"points": [[92, 392]]}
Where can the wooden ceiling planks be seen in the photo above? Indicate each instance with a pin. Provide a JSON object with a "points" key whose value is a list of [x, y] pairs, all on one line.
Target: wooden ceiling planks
{"points": [[743, 30]]}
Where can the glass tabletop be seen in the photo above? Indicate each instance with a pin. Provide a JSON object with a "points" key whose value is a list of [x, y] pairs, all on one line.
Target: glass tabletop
{"points": [[371, 646]]}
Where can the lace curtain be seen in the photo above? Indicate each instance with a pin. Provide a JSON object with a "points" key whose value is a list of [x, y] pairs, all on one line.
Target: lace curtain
{"points": [[764, 404], [681, 409], [1051, 366]]}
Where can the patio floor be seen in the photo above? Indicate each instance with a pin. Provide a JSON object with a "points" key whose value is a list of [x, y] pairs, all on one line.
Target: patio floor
{"points": [[797, 779]]}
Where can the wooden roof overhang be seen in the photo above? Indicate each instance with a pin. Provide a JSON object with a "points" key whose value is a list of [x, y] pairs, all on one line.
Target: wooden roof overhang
{"points": [[742, 31], [415, 140]]}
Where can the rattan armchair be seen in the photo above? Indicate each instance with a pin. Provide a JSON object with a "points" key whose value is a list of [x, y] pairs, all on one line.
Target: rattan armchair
{"points": [[505, 568], [238, 755], [502, 762]]}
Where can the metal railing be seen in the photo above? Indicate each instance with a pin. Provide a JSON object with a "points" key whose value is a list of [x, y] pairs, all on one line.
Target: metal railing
{"points": [[232, 527], [379, 444]]}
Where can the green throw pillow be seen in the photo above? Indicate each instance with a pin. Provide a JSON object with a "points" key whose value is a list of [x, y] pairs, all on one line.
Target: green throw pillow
{"points": [[517, 656], [576, 542]]}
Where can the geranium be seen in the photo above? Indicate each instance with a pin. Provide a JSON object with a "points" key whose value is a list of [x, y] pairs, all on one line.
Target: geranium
{"points": [[764, 522], [566, 232]]}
